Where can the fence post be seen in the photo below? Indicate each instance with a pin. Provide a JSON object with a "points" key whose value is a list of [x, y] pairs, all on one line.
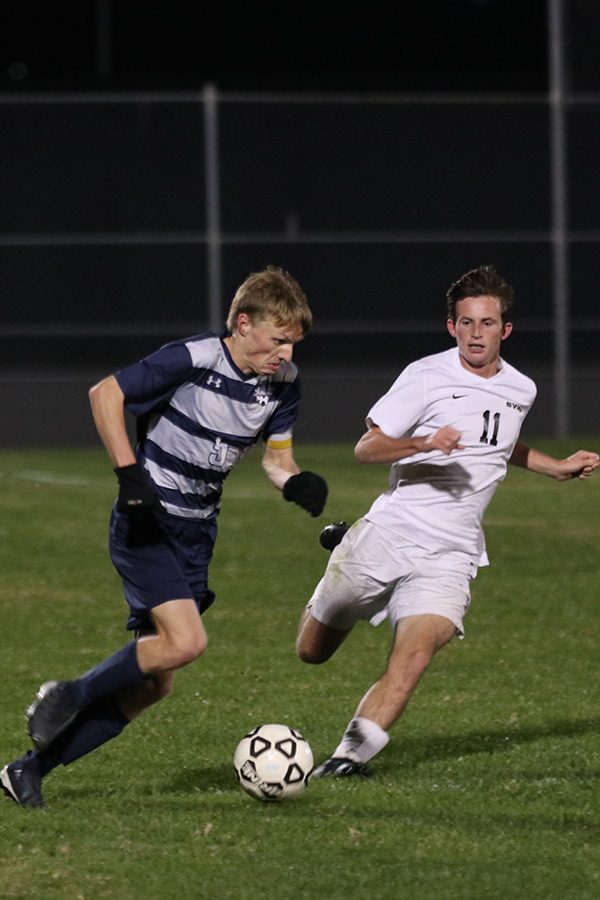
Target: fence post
{"points": [[213, 208], [559, 223]]}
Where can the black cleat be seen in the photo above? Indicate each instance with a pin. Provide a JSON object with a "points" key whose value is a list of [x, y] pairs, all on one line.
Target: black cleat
{"points": [[332, 534], [22, 782], [341, 767], [53, 710]]}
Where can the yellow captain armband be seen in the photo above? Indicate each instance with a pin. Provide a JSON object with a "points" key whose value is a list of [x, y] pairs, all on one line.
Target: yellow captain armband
{"points": [[284, 444]]}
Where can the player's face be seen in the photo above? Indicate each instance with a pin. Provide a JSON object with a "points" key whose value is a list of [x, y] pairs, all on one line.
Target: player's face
{"points": [[479, 331], [262, 346]]}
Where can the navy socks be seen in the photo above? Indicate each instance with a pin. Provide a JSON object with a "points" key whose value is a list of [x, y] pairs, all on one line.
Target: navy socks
{"points": [[101, 721], [119, 671], [100, 718]]}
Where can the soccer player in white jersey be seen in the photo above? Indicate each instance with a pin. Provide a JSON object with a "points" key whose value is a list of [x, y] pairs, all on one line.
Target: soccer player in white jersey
{"points": [[200, 404], [448, 425]]}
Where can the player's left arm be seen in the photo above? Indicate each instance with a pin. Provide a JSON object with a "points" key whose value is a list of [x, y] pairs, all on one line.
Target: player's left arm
{"points": [[279, 463], [579, 465], [307, 489]]}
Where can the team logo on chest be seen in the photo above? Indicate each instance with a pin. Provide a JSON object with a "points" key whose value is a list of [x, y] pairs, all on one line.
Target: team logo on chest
{"points": [[261, 395]]}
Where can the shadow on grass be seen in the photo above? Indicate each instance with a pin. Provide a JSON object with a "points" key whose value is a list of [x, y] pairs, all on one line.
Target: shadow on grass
{"points": [[409, 752], [194, 779], [413, 752], [209, 779]]}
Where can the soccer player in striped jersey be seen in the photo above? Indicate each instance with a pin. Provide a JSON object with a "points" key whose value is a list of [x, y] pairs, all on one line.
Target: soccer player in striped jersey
{"points": [[449, 426], [201, 404]]}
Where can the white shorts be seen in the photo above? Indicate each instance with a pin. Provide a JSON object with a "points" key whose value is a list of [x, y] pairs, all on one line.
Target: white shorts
{"points": [[369, 577]]}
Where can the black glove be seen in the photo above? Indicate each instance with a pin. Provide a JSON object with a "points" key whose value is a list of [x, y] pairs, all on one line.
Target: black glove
{"points": [[332, 534], [135, 492], [307, 490]]}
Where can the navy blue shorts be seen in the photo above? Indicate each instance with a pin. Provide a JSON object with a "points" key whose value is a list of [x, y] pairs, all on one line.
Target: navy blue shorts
{"points": [[161, 561]]}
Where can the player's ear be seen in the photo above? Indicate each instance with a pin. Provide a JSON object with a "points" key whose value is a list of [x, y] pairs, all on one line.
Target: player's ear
{"points": [[506, 330], [243, 323], [451, 326]]}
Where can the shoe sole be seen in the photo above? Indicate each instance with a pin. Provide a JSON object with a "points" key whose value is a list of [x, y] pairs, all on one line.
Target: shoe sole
{"points": [[7, 785], [363, 772]]}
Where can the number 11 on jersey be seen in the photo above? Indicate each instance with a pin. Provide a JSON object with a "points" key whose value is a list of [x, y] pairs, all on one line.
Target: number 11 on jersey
{"points": [[486, 427]]}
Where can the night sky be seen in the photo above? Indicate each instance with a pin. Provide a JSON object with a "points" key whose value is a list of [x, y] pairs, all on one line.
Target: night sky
{"points": [[354, 45]]}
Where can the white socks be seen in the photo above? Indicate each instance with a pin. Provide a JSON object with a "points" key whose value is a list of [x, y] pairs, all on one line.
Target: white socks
{"points": [[362, 740]]}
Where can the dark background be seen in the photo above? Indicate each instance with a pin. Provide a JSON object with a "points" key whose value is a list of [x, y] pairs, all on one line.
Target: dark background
{"points": [[376, 150], [428, 45]]}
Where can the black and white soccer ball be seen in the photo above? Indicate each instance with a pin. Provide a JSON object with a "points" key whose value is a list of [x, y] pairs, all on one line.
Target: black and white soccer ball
{"points": [[273, 762]]}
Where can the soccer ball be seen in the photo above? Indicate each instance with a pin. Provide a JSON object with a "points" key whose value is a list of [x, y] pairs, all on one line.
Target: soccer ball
{"points": [[273, 762]]}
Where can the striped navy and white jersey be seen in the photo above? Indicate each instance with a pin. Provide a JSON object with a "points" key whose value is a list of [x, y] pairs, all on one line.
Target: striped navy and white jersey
{"points": [[203, 414]]}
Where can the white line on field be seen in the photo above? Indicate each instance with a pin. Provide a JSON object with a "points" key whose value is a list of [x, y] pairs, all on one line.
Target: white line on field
{"points": [[50, 477]]}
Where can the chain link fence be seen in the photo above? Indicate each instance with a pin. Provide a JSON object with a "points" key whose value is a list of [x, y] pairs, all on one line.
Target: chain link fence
{"points": [[128, 220]]}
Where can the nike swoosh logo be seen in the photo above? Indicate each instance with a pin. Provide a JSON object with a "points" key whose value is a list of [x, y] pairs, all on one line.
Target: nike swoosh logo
{"points": [[458, 396]]}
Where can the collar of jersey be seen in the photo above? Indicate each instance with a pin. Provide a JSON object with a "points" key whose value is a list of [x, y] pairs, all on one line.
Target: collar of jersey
{"points": [[245, 376]]}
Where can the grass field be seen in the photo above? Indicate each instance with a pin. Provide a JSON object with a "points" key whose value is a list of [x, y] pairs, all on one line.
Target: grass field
{"points": [[488, 789]]}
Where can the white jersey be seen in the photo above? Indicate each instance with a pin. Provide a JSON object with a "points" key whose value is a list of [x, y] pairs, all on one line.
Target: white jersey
{"points": [[436, 501]]}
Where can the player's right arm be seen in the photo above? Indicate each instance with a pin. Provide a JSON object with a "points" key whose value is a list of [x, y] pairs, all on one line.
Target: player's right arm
{"points": [[108, 409], [377, 447], [396, 415]]}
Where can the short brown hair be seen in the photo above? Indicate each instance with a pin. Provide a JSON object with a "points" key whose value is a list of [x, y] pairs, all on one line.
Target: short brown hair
{"points": [[271, 294], [480, 282]]}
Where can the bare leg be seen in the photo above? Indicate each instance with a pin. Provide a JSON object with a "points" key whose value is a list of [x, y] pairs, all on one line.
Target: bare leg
{"points": [[133, 701], [178, 628], [317, 642], [417, 640], [180, 637]]}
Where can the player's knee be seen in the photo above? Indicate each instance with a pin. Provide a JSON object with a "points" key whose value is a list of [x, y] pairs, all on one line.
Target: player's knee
{"points": [[186, 648], [309, 653], [192, 647], [316, 643], [309, 643], [306, 655]]}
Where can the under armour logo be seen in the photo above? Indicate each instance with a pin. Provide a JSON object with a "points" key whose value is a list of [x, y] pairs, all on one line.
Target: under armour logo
{"points": [[212, 379]]}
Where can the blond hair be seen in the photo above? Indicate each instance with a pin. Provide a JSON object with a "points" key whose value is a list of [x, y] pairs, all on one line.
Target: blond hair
{"points": [[271, 294]]}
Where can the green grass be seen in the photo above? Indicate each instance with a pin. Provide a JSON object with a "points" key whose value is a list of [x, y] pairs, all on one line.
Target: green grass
{"points": [[488, 788]]}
